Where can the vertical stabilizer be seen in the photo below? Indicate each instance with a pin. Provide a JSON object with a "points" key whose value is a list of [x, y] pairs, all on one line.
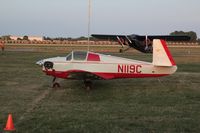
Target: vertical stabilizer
{"points": [[161, 54]]}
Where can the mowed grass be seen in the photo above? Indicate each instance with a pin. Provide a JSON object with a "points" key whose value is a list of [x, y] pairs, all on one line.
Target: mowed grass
{"points": [[153, 105]]}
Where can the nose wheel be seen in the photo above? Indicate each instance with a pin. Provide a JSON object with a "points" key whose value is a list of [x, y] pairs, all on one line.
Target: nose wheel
{"points": [[55, 84]]}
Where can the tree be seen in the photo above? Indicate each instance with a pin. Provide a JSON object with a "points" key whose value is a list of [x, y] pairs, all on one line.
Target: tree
{"points": [[81, 38], [69, 38], [198, 41], [48, 38], [191, 34], [19, 39], [25, 38]]}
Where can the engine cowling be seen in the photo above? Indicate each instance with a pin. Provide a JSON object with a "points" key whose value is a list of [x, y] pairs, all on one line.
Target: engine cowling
{"points": [[48, 65]]}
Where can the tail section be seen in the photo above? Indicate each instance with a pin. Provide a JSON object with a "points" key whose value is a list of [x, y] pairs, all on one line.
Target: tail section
{"points": [[161, 54]]}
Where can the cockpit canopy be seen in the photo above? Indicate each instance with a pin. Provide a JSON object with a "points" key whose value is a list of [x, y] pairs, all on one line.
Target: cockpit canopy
{"points": [[83, 56]]}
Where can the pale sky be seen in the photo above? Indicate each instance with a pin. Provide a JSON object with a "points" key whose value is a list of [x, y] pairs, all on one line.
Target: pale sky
{"points": [[68, 18]]}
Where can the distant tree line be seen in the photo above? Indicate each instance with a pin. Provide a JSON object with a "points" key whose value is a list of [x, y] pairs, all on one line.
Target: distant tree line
{"points": [[191, 34], [68, 38], [57, 38], [24, 38]]}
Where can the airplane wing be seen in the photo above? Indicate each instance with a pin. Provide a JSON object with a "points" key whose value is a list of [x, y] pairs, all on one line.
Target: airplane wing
{"points": [[108, 37], [142, 38], [82, 75]]}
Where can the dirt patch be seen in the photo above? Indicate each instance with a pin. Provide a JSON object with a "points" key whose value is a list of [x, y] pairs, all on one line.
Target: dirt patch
{"points": [[35, 103]]}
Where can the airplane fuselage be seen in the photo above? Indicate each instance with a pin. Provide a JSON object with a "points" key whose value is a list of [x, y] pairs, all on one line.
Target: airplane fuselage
{"points": [[87, 66], [125, 69]]}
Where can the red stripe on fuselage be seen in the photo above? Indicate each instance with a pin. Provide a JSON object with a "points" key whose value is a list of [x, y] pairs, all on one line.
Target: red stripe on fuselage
{"points": [[64, 75]]}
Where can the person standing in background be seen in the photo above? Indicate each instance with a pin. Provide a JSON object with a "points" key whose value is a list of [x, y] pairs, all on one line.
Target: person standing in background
{"points": [[2, 46]]}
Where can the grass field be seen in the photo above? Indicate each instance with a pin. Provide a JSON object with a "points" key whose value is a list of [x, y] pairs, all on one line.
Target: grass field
{"points": [[167, 105]]}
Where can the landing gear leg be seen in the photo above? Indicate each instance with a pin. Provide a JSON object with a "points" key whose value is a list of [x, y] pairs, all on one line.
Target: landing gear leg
{"points": [[88, 84], [55, 84]]}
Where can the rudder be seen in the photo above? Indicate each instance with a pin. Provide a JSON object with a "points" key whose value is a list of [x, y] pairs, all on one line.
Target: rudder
{"points": [[161, 54]]}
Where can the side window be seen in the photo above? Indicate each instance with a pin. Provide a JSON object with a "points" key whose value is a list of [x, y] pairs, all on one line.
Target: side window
{"points": [[93, 57], [79, 55], [69, 57]]}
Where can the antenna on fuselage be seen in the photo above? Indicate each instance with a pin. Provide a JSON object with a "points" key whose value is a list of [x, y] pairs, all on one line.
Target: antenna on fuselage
{"points": [[89, 16]]}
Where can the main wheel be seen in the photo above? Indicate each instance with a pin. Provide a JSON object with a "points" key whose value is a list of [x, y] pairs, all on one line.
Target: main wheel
{"points": [[88, 85], [56, 85]]}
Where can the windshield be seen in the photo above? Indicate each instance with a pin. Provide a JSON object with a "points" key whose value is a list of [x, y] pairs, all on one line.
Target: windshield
{"points": [[79, 55], [69, 57]]}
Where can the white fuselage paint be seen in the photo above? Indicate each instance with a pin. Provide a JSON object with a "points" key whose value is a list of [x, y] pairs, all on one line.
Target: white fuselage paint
{"points": [[110, 66]]}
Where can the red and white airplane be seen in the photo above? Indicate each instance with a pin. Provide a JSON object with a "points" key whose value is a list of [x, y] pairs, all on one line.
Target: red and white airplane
{"points": [[88, 66]]}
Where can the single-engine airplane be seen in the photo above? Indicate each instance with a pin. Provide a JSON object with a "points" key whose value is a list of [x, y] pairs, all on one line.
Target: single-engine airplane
{"points": [[88, 66], [141, 43]]}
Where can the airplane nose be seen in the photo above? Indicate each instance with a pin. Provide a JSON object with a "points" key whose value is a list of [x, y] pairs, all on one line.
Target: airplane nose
{"points": [[40, 62], [48, 65]]}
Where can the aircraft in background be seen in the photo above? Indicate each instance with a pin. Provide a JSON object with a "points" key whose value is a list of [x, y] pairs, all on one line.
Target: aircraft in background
{"points": [[88, 66], [141, 43]]}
